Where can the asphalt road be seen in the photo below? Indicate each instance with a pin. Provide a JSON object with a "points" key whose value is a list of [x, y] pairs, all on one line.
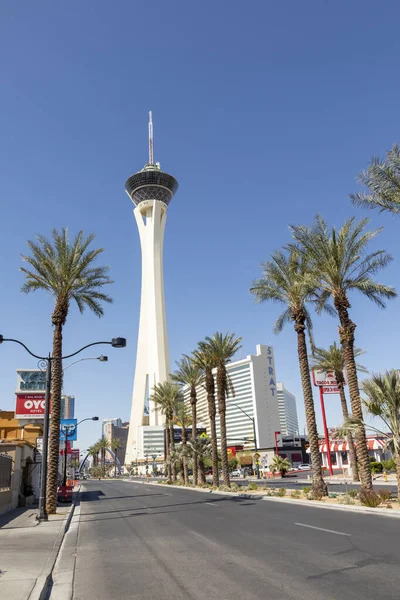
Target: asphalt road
{"points": [[140, 541]]}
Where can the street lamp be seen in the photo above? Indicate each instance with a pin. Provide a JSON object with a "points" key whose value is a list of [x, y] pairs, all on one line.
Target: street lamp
{"points": [[100, 358], [252, 419], [44, 361], [68, 431], [276, 433]]}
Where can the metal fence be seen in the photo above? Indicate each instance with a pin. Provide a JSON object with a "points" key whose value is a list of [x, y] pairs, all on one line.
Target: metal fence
{"points": [[5, 471]]}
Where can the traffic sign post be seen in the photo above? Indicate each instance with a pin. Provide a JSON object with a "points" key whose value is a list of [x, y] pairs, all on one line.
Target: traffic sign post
{"points": [[327, 384]]}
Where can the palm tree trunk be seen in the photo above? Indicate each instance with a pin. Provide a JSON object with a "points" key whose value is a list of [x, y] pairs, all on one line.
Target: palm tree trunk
{"points": [[210, 387], [171, 450], [346, 333], [350, 441], [193, 401], [115, 463], [54, 437], [184, 458], [397, 463], [167, 461], [318, 485], [221, 391], [202, 472]]}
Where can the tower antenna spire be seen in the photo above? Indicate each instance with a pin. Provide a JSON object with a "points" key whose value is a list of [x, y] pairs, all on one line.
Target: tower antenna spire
{"points": [[151, 138]]}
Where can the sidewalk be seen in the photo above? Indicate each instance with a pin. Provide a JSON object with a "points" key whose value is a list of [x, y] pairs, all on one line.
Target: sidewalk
{"points": [[25, 549]]}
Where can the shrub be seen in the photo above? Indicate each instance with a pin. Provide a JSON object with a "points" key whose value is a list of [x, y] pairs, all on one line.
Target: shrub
{"points": [[346, 499], [352, 493], [224, 488], [253, 486], [385, 495], [296, 494], [234, 487], [376, 467], [315, 495], [389, 465], [281, 492], [369, 498], [332, 495], [306, 489]]}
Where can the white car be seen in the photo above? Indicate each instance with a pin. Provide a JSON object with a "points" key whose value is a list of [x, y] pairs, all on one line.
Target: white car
{"points": [[304, 467], [236, 473]]}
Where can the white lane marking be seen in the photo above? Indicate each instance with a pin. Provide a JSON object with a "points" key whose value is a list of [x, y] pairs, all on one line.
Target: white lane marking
{"points": [[210, 504], [322, 529]]}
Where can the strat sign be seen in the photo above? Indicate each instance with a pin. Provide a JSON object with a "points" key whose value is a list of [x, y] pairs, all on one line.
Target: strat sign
{"points": [[29, 406]]}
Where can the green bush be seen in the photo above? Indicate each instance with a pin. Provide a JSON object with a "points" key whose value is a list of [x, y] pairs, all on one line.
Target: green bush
{"points": [[332, 495], [352, 493], [376, 467], [369, 498], [306, 489], [253, 486], [385, 495], [281, 492], [389, 465], [224, 488], [296, 494], [234, 487], [346, 499]]}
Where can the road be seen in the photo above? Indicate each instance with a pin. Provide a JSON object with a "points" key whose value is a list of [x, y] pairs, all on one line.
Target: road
{"points": [[141, 541]]}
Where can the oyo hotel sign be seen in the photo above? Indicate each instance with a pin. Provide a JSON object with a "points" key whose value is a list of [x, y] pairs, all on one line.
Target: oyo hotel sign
{"points": [[29, 406]]}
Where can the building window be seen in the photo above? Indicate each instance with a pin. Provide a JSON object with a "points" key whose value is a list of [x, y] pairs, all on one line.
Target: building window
{"points": [[345, 458], [333, 458]]}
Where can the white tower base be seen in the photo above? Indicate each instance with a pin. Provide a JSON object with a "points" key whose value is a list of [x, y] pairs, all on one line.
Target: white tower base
{"points": [[152, 359]]}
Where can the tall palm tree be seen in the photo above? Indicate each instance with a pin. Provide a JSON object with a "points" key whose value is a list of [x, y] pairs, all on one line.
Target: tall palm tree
{"points": [[94, 453], [103, 444], [65, 269], [382, 179], [206, 362], [341, 264], [333, 360], [116, 444], [382, 393], [202, 448], [166, 395], [191, 375], [288, 280], [183, 419], [222, 348]]}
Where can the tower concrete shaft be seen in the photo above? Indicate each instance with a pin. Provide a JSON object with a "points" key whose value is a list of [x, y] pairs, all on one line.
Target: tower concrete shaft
{"points": [[151, 190]]}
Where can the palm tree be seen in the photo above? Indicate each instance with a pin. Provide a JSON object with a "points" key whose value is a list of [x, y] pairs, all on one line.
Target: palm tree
{"points": [[166, 395], [103, 444], [280, 464], [94, 453], [340, 263], [183, 419], [189, 374], [206, 362], [288, 280], [382, 178], [383, 400], [115, 445], [202, 448], [221, 348], [65, 270], [333, 360]]}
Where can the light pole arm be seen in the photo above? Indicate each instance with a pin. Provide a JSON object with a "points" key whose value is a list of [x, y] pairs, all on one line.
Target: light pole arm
{"points": [[80, 360], [243, 411], [84, 348], [26, 348]]}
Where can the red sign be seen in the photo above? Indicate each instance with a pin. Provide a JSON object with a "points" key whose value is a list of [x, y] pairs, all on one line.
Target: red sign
{"points": [[69, 449], [75, 453], [29, 406]]}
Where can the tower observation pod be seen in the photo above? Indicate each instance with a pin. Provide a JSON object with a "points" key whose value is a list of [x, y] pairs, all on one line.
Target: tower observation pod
{"points": [[151, 190]]}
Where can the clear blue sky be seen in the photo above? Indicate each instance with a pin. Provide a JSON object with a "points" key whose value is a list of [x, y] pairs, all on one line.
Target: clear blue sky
{"points": [[263, 111]]}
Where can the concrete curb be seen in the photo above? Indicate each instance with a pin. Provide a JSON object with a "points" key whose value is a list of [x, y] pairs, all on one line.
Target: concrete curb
{"points": [[394, 512], [41, 587]]}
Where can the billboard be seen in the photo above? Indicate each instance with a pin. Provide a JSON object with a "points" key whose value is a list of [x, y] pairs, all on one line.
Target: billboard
{"points": [[31, 380], [29, 406], [69, 426], [324, 378]]}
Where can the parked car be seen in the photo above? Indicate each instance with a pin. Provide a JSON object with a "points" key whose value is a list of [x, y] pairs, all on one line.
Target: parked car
{"points": [[236, 473], [304, 467], [208, 470]]}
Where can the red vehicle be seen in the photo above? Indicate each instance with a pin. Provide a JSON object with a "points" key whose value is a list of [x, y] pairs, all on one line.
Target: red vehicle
{"points": [[64, 493]]}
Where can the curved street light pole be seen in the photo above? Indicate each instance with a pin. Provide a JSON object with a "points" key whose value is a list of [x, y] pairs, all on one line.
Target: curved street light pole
{"points": [[252, 419], [117, 342], [67, 434]]}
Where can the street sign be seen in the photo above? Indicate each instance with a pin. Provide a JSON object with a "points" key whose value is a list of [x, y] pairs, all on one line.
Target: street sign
{"points": [[324, 378], [69, 426]]}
